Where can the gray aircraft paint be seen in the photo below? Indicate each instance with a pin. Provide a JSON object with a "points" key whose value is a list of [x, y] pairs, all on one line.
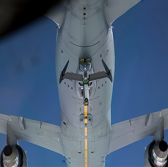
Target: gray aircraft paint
{"points": [[145, 121], [90, 38]]}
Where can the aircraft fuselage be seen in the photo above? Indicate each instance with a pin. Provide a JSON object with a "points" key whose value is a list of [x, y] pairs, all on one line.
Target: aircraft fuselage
{"points": [[85, 34]]}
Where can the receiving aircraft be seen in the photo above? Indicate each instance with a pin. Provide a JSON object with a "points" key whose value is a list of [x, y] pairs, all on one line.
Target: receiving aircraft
{"points": [[85, 74]]}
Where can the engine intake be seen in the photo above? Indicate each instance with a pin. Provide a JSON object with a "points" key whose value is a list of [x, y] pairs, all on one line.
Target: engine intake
{"points": [[7, 150], [160, 153], [10, 156], [156, 155], [13, 156]]}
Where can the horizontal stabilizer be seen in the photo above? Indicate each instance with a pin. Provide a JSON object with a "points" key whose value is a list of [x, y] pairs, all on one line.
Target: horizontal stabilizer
{"points": [[57, 13], [115, 8]]}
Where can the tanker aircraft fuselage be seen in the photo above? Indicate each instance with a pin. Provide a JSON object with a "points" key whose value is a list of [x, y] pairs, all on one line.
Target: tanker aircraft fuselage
{"points": [[85, 34], [85, 64]]}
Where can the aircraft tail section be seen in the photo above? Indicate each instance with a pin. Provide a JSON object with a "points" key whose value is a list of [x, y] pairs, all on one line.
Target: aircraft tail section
{"points": [[115, 8]]}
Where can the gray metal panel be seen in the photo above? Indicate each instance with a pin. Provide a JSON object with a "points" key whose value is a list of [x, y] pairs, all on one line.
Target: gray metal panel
{"points": [[73, 76], [127, 132], [97, 75], [36, 132]]}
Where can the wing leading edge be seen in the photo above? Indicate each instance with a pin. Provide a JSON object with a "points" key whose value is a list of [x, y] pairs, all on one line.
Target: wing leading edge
{"points": [[130, 131], [36, 132], [49, 136], [115, 8]]}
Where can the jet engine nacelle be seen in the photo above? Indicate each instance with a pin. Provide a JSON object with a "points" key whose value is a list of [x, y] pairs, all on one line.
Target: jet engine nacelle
{"points": [[13, 156], [156, 154]]}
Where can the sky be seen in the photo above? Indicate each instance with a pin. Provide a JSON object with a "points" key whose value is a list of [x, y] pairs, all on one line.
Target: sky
{"points": [[28, 85]]}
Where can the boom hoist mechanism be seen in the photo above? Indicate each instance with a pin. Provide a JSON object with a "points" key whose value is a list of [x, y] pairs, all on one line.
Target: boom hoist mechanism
{"points": [[85, 66]]}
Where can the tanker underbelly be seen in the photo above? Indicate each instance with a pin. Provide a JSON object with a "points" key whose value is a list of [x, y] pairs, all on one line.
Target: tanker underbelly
{"points": [[86, 148], [85, 135], [80, 149]]}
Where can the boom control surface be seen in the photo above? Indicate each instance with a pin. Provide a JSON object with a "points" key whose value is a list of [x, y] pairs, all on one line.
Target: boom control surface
{"points": [[85, 66]]}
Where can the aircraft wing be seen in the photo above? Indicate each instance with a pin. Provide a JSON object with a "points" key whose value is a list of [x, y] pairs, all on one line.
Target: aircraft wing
{"points": [[36, 132], [130, 131], [115, 8]]}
